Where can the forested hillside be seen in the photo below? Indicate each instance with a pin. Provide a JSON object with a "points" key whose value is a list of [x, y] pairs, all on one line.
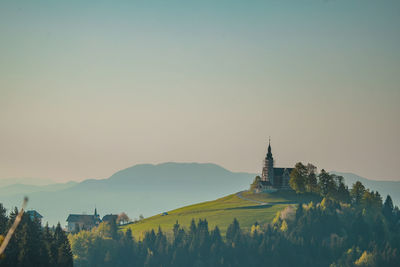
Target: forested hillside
{"points": [[348, 227], [33, 245]]}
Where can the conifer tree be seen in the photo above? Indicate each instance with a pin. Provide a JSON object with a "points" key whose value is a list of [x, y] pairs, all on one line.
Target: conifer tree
{"points": [[233, 231], [64, 254], [3, 220], [357, 192], [388, 208]]}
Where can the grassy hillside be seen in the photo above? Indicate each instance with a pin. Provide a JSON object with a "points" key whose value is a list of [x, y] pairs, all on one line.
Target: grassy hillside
{"points": [[220, 212]]}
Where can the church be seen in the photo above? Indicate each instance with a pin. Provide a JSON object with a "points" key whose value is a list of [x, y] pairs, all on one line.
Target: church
{"points": [[273, 179]]}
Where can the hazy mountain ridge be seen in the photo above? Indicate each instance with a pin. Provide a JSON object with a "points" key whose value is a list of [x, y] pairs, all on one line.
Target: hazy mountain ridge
{"points": [[142, 189], [149, 189], [26, 181], [18, 189]]}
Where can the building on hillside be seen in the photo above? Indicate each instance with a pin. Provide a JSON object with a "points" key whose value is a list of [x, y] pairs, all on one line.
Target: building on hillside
{"points": [[273, 179], [110, 217], [34, 215], [77, 222]]}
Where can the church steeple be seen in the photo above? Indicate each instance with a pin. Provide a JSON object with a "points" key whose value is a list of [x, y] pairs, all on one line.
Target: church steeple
{"points": [[268, 168], [269, 154]]}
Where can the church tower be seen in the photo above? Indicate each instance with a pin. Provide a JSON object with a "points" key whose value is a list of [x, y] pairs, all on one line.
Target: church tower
{"points": [[268, 168]]}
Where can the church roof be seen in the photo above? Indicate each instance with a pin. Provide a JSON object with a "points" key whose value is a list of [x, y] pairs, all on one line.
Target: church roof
{"points": [[110, 217], [87, 219]]}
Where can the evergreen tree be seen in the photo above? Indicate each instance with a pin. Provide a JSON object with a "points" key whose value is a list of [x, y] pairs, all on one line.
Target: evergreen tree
{"points": [[48, 244], [357, 192], [64, 254], [388, 208], [32, 245], [343, 192], [12, 252], [176, 229], [233, 231], [3, 220]]}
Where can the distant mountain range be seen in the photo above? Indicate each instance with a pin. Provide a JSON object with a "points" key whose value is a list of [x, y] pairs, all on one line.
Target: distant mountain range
{"points": [[142, 189], [25, 181], [146, 189], [23, 189]]}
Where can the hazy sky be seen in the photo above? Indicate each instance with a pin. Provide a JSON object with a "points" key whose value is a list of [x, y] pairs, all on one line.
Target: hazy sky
{"points": [[90, 87]]}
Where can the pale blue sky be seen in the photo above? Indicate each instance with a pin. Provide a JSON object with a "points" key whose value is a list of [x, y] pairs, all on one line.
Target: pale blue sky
{"points": [[90, 87]]}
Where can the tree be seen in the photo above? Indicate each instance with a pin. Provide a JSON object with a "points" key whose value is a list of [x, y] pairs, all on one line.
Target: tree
{"points": [[48, 240], [64, 258], [311, 182], [357, 192], [298, 178], [372, 201], [366, 259], [64, 254], [128, 234], [255, 184], [343, 191], [326, 184], [388, 208], [216, 235], [176, 229], [3, 219], [103, 230], [233, 231], [123, 218]]}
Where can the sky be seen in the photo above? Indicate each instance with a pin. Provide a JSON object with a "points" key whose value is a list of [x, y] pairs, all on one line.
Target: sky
{"points": [[91, 87]]}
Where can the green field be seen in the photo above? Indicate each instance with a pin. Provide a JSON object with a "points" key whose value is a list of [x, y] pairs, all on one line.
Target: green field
{"points": [[219, 212]]}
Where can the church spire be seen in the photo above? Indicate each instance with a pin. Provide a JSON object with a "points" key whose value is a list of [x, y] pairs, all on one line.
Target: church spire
{"points": [[269, 154], [268, 168]]}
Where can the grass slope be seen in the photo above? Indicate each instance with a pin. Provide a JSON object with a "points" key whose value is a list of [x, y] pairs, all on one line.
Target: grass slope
{"points": [[219, 212]]}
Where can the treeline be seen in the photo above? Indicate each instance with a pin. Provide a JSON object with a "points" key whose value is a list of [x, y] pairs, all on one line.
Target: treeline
{"points": [[32, 244], [323, 234], [304, 179], [349, 227]]}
